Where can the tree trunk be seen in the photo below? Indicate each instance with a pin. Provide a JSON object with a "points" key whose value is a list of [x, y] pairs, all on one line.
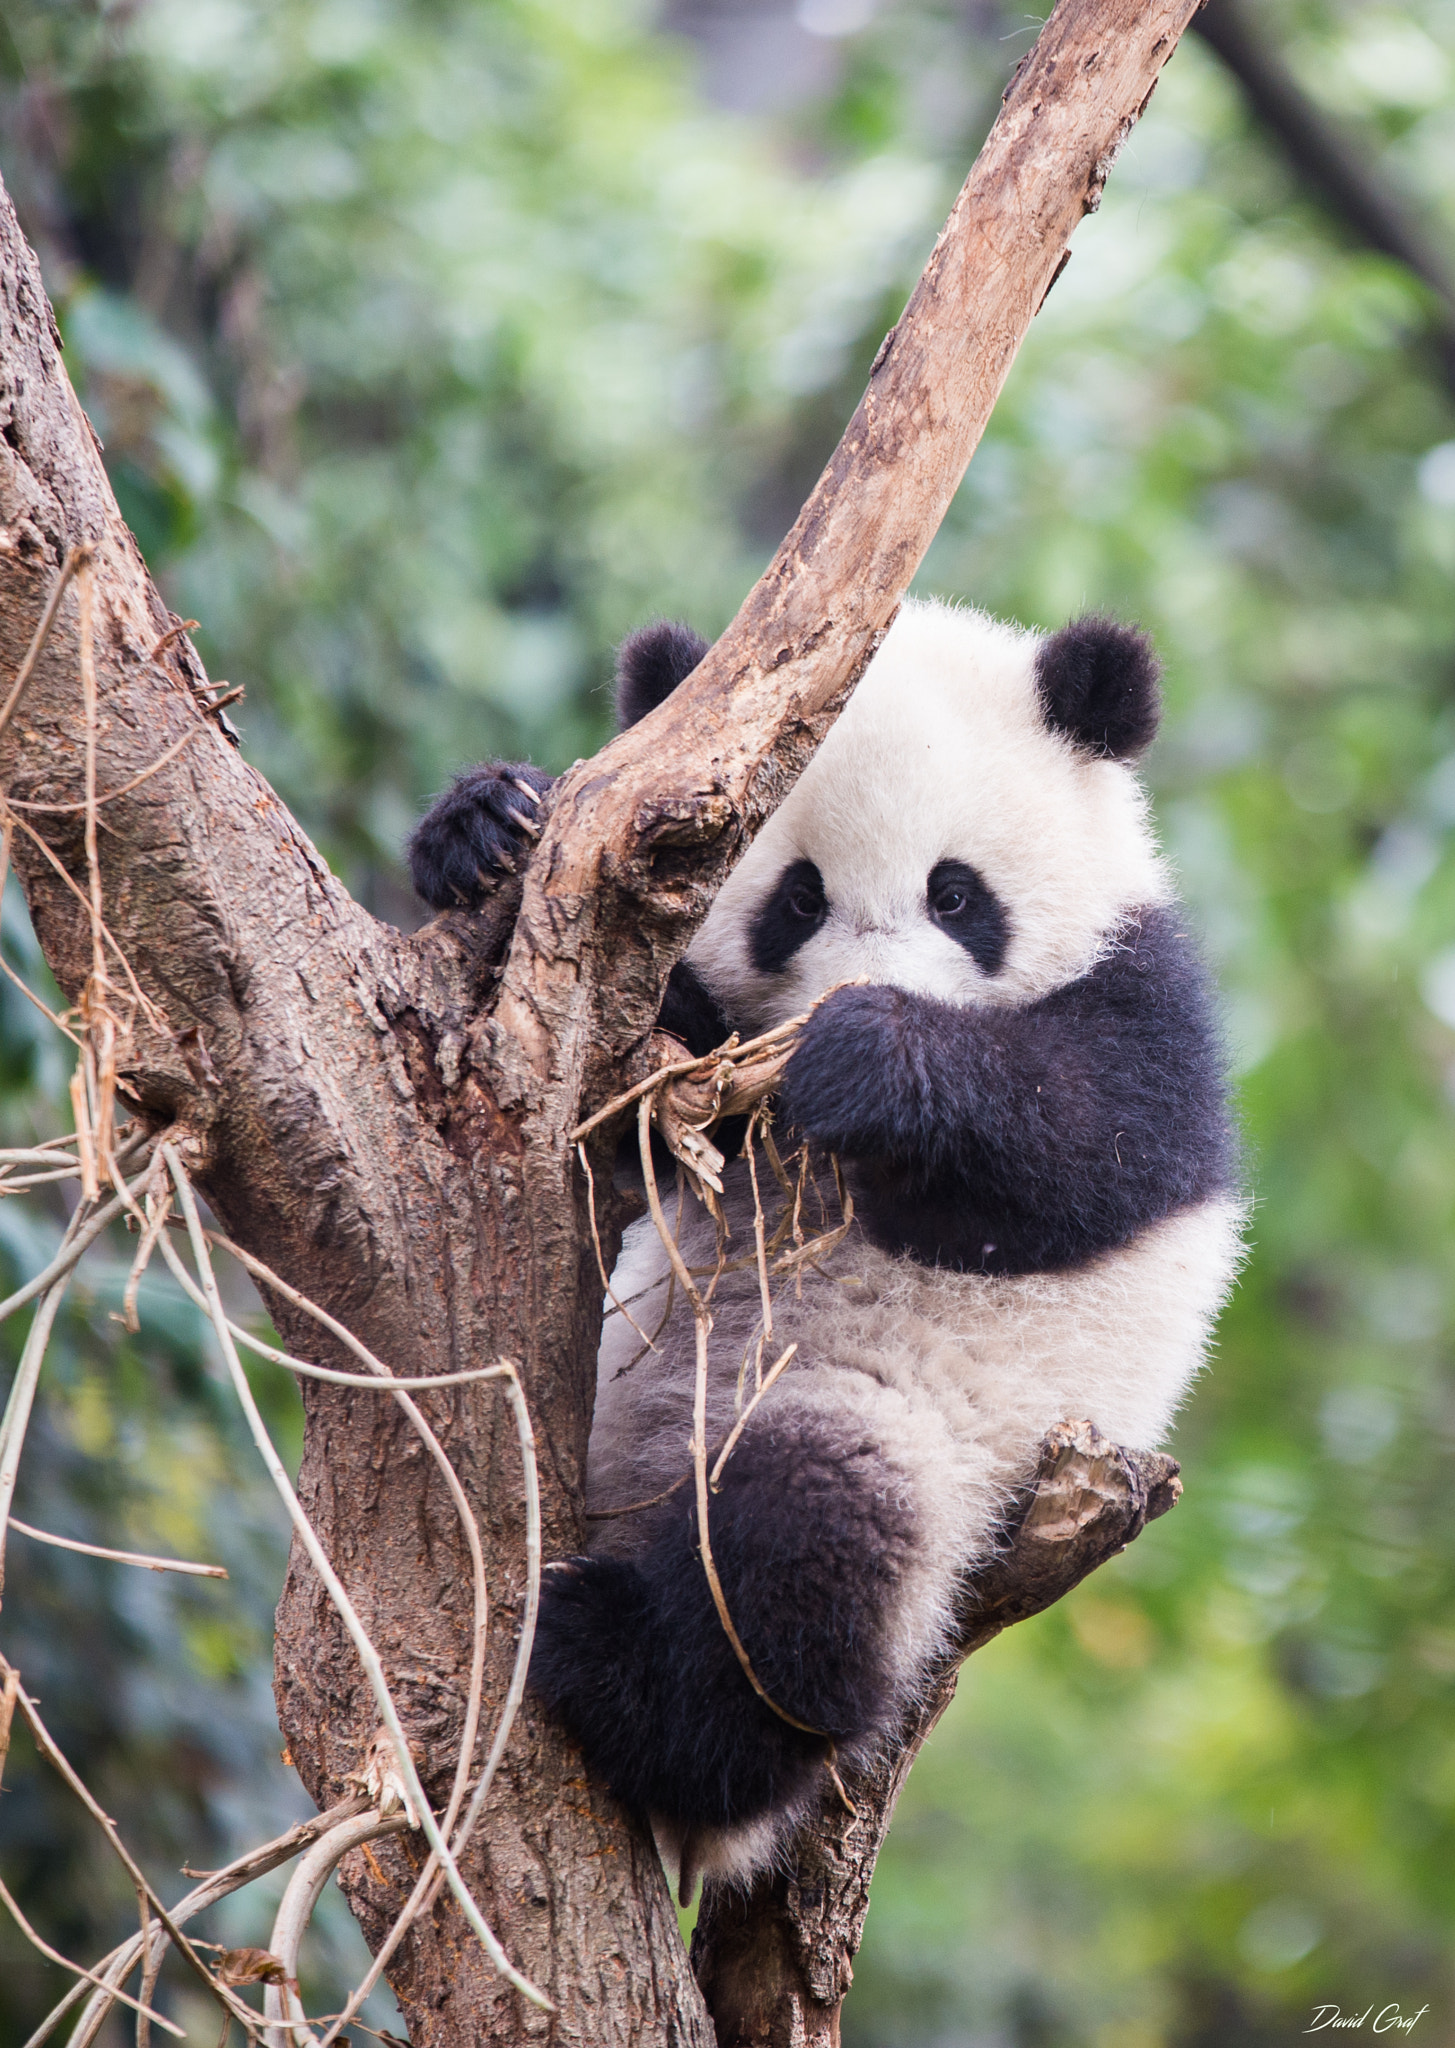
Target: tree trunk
{"points": [[384, 1119]]}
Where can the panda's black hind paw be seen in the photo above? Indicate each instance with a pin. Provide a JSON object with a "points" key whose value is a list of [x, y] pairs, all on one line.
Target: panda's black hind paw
{"points": [[477, 832]]}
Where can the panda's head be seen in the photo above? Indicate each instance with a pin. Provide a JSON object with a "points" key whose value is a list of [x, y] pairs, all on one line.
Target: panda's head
{"points": [[972, 828]]}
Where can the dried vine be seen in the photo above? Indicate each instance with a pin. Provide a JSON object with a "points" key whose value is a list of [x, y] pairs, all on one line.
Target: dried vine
{"points": [[96, 1155]]}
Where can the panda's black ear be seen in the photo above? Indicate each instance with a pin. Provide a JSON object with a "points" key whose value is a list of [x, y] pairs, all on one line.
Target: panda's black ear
{"points": [[650, 663], [1098, 684]]}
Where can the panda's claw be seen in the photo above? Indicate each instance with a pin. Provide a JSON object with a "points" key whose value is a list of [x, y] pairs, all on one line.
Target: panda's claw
{"points": [[476, 833]]}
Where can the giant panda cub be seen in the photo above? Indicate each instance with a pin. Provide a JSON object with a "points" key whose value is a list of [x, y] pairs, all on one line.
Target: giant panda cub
{"points": [[1027, 1100]]}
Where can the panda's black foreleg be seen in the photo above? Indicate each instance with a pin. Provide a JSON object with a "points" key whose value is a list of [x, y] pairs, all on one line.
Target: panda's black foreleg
{"points": [[810, 1534], [476, 832], [1017, 1138]]}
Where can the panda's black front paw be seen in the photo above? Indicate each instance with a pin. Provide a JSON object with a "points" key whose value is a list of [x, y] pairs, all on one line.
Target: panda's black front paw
{"points": [[477, 832], [861, 1081]]}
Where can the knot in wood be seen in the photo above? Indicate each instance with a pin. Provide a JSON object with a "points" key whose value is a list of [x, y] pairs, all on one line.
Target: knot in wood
{"points": [[683, 820]]}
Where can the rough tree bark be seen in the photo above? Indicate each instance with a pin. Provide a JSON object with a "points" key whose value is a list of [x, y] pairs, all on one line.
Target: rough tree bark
{"points": [[384, 1118]]}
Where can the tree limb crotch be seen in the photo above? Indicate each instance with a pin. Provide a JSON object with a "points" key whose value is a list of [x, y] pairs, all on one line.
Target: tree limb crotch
{"points": [[385, 1120]]}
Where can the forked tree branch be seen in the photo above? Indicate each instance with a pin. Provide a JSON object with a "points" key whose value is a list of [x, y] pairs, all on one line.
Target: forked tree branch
{"points": [[386, 1120]]}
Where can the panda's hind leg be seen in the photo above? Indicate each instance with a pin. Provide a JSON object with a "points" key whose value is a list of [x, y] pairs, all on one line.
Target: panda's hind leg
{"points": [[813, 1532]]}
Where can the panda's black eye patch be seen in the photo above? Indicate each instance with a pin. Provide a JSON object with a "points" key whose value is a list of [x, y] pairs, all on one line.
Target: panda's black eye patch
{"points": [[788, 918], [967, 910]]}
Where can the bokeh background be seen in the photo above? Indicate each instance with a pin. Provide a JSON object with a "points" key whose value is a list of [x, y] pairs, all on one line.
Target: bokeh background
{"points": [[435, 344]]}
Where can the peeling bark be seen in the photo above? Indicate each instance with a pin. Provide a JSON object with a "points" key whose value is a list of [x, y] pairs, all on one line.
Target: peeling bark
{"points": [[384, 1119]]}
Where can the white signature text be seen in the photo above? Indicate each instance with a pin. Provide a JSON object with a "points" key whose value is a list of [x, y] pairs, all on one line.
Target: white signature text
{"points": [[1388, 2020]]}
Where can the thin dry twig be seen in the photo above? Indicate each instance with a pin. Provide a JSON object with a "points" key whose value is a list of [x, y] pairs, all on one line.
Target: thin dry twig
{"points": [[16, 1419], [81, 1235], [760, 1251], [7, 829], [765, 1386], [162, 761], [651, 1343], [149, 1008], [17, 1184], [86, 590], [137, 1557], [159, 1206], [88, 1976], [54, 1755], [8, 1692], [215, 1885], [173, 632], [612, 1297], [103, 1030]]}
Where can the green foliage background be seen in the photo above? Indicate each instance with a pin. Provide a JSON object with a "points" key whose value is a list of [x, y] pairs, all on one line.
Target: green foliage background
{"points": [[434, 344]]}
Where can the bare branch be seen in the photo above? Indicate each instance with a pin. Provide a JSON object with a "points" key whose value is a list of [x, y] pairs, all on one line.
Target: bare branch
{"points": [[152, 1564], [1335, 165], [649, 824]]}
